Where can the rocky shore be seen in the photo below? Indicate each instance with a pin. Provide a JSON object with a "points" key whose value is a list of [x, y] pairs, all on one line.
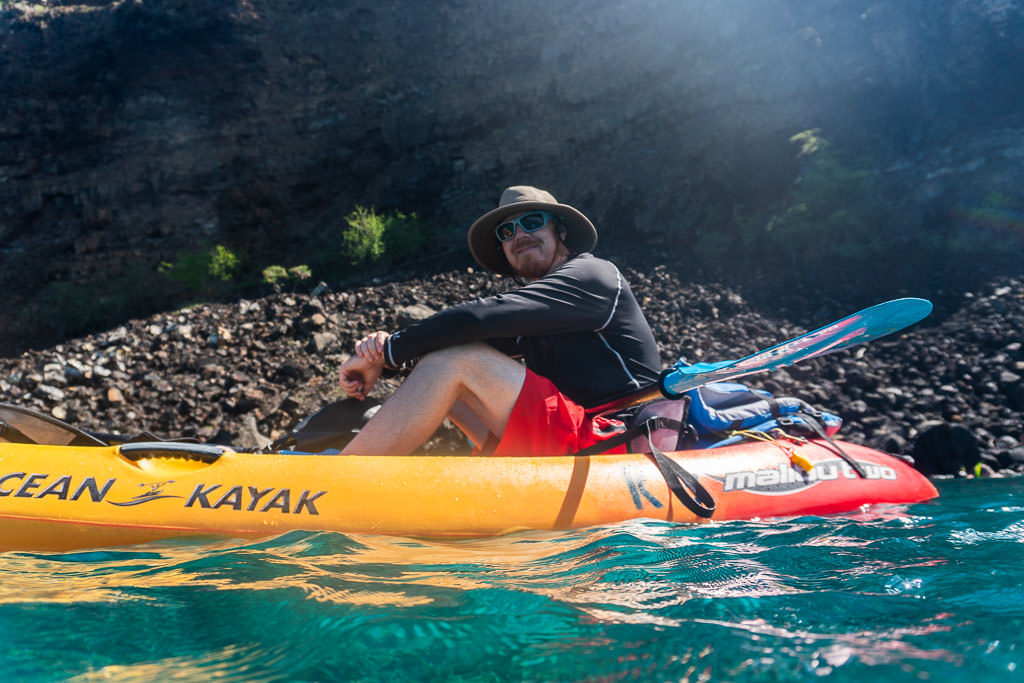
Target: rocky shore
{"points": [[947, 391]]}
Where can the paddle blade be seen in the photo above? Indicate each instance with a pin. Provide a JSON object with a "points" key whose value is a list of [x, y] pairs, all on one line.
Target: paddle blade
{"points": [[863, 326]]}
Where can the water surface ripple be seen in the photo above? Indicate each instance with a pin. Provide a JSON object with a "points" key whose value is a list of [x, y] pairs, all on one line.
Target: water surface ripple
{"points": [[930, 591]]}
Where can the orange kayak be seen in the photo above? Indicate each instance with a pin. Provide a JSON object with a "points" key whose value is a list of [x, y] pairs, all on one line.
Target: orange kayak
{"points": [[67, 497]]}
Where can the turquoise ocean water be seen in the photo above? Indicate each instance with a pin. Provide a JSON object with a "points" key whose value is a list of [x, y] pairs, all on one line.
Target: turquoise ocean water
{"points": [[923, 592]]}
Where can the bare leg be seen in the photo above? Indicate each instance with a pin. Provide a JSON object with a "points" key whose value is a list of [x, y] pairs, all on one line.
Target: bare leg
{"points": [[484, 381], [471, 425]]}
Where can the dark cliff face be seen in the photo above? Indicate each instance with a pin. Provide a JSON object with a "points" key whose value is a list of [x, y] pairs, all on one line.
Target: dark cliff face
{"points": [[132, 130]]}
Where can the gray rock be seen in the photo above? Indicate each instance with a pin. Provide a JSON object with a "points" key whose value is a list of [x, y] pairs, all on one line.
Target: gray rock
{"points": [[249, 436], [74, 374], [49, 393], [857, 408], [409, 314], [1006, 443], [323, 341], [1006, 377], [1013, 458]]}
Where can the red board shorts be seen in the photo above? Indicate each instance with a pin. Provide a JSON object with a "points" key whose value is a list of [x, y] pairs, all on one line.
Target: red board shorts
{"points": [[546, 422]]}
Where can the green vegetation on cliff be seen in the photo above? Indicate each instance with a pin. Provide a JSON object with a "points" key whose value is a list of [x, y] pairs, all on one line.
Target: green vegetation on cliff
{"points": [[372, 238], [207, 271], [841, 221], [368, 242]]}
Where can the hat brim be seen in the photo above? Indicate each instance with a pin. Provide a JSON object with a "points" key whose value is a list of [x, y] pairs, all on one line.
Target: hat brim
{"points": [[580, 234]]}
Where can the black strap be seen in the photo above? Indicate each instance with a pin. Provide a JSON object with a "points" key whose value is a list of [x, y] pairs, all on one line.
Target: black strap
{"points": [[651, 423], [773, 406], [684, 485]]}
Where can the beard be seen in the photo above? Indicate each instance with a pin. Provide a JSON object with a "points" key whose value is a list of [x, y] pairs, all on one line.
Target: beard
{"points": [[533, 270], [537, 263]]}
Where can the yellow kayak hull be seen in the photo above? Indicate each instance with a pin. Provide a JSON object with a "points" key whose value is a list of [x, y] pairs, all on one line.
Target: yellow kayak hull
{"points": [[63, 497]]}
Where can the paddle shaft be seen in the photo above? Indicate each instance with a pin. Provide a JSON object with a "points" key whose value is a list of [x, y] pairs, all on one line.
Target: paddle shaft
{"points": [[650, 393], [858, 328]]}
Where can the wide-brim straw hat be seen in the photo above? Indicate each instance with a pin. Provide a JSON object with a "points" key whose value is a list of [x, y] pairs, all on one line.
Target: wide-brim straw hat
{"points": [[486, 249]]}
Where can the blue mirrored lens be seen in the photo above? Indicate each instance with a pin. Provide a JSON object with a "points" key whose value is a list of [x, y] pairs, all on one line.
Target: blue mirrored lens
{"points": [[532, 221], [529, 223]]}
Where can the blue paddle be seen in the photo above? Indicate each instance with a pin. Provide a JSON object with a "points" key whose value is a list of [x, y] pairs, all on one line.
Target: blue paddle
{"points": [[863, 326]]}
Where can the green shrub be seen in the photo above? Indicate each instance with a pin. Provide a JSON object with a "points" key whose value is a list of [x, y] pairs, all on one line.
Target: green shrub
{"points": [[371, 238], [204, 271], [998, 200], [833, 216], [190, 269], [277, 276], [405, 237], [834, 210], [224, 263], [298, 273], [363, 240]]}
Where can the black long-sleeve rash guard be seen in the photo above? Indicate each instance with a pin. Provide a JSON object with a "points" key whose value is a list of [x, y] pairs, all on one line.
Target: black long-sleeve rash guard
{"points": [[579, 326]]}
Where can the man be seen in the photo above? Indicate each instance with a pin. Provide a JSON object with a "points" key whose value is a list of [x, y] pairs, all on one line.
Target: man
{"points": [[574, 322]]}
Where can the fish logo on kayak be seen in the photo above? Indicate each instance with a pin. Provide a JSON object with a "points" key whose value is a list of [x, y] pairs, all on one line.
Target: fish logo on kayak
{"points": [[155, 492], [785, 479]]}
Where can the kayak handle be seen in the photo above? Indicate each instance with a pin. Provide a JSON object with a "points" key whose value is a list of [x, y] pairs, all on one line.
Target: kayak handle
{"points": [[203, 452]]}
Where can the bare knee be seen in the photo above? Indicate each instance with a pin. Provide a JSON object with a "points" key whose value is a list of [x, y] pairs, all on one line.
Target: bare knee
{"points": [[479, 373], [463, 359]]}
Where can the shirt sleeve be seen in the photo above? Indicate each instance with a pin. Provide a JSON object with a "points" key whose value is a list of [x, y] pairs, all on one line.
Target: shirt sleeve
{"points": [[579, 296]]}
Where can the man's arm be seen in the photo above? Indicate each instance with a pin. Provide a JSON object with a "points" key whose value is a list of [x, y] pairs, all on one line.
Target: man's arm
{"points": [[582, 295]]}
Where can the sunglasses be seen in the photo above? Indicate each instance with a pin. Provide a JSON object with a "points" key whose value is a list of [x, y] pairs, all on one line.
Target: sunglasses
{"points": [[531, 222]]}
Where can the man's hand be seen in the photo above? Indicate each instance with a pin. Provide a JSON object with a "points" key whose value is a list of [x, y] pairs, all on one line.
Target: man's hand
{"points": [[359, 373], [357, 376], [371, 347]]}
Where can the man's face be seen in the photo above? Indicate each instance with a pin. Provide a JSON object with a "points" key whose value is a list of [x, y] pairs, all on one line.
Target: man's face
{"points": [[533, 255]]}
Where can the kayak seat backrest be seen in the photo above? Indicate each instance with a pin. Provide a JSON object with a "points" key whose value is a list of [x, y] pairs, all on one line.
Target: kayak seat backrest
{"points": [[22, 425], [666, 433], [697, 419]]}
